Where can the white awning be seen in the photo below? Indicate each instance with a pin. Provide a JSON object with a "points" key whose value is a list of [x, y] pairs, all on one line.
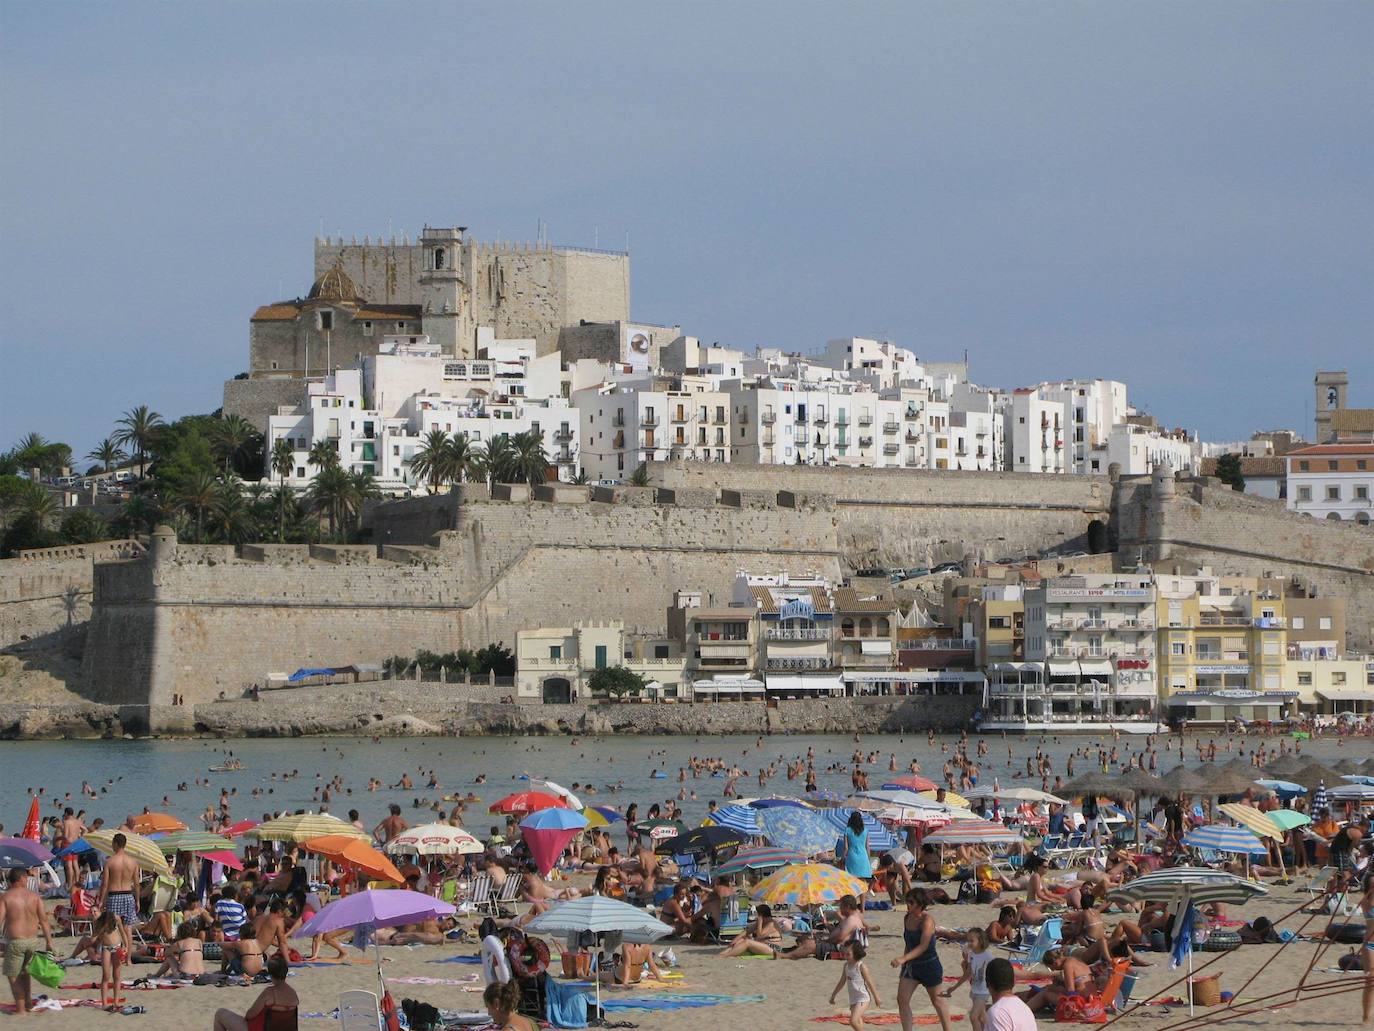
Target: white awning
{"points": [[1016, 667], [1347, 695], [823, 684], [1062, 668], [741, 686], [1096, 667], [909, 676], [875, 647]]}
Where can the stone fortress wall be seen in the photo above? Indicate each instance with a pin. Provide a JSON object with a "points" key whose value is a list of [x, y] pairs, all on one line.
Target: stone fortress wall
{"points": [[45, 590]]}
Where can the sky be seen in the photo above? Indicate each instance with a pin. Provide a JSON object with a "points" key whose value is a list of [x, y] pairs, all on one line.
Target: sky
{"points": [[1174, 195]]}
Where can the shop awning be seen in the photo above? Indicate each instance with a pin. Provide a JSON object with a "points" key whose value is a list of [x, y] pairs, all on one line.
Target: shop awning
{"points": [[875, 647], [1062, 668], [806, 685], [1096, 667], [743, 686], [1016, 667], [1349, 694]]}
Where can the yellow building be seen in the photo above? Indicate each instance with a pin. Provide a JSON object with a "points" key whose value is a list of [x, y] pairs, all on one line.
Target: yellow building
{"points": [[1221, 647], [1327, 685], [555, 664]]}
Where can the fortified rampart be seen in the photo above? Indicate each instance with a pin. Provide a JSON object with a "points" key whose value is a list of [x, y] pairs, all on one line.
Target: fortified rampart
{"points": [[44, 590]]}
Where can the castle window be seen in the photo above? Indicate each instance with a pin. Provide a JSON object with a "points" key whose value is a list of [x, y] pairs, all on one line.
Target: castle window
{"points": [[326, 321], [367, 327], [400, 327], [438, 257]]}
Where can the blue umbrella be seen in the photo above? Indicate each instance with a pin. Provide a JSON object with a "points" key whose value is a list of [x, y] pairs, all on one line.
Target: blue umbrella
{"points": [[1285, 788], [1319, 799], [773, 803], [880, 839], [801, 830], [742, 818], [1359, 778], [554, 819], [824, 795], [76, 848], [22, 853], [1222, 838]]}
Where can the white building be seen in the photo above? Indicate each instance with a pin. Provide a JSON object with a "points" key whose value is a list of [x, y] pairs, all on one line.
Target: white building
{"points": [[623, 424], [1055, 426], [1137, 450], [1332, 481]]}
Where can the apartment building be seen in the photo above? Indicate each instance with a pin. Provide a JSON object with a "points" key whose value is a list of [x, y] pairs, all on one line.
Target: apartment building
{"points": [[623, 425], [555, 664], [1332, 481], [717, 641]]}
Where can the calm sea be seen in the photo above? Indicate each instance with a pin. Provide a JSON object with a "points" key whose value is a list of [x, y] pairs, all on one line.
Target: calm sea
{"points": [[128, 775]]}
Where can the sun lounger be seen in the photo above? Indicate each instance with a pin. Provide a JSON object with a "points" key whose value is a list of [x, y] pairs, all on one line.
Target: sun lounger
{"points": [[1047, 938], [358, 1011]]}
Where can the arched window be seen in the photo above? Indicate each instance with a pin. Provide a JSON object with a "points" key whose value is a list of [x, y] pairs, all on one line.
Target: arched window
{"points": [[847, 628], [865, 627], [884, 626], [438, 257], [1334, 515]]}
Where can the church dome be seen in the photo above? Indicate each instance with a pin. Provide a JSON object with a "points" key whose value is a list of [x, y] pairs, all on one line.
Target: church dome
{"points": [[335, 285]]}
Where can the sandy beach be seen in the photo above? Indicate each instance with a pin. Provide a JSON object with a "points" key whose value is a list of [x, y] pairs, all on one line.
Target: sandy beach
{"points": [[795, 993]]}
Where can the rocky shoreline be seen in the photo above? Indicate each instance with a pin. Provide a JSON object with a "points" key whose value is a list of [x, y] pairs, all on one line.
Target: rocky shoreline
{"points": [[442, 711]]}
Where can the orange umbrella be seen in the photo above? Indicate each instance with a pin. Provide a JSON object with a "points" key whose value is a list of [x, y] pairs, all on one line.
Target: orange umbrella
{"points": [[157, 823], [343, 848]]}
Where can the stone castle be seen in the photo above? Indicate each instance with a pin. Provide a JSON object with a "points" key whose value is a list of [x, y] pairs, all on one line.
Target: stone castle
{"points": [[467, 568]]}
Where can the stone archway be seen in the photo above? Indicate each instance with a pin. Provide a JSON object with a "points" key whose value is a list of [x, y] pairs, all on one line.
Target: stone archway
{"points": [[557, 691]]}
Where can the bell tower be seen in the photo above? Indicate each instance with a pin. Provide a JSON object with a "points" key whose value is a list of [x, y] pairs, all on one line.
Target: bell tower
{"points": [[446, 317], [1330, 388]]}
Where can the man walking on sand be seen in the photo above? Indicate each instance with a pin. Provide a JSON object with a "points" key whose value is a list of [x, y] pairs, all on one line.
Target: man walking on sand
{"points": [[1007, 1012], [21, 918], [118, 885]]}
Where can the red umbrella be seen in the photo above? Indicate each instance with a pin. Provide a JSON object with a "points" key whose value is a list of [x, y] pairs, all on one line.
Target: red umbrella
{"points": [[33, 825], [909, 782], [242, 827], [525, 802], [225, 858]]}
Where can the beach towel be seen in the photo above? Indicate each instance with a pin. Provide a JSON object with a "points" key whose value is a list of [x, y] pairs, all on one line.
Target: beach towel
{"points": [[565, 1004], [676, 1002], [474, 960], [432, 980], [885, 1018]]}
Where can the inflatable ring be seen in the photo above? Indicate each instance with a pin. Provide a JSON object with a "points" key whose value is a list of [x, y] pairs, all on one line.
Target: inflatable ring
{"points": [[529, 957], [495, 968], [1220, 941], [1347, 934]]}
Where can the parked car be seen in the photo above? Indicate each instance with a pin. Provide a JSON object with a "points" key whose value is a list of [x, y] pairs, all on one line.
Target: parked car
{"points": [[948, 567]]}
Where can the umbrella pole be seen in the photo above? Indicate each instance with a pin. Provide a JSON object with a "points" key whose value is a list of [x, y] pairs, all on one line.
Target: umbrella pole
{"points": [[377, 951]]}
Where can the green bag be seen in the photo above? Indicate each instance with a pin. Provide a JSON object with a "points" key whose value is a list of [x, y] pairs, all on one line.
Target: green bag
{"points": [[46, 970]]}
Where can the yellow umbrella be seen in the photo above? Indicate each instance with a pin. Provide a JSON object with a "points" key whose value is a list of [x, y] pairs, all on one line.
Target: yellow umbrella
{"points": [[807, 884], [1256, 823], [304, 826], [144, 850], [951, 798]]}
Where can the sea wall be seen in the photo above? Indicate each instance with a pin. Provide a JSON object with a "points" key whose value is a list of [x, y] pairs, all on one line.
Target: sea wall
{"points": [[44, 590]]}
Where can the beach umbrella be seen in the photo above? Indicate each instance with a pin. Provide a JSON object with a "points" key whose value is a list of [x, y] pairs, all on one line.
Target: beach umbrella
{"points": [[1285, 788], [1182, 781], [33, 823], [762, 857], [1017, 794], [78, 847], [1319, 798], [144, 850], [972, 832], [599, 915], [1285, 765], [357, 853], [559, 791], [22, 853], [1348, 765], [235, 830], [897, 796], [365, 911], [434, 839], [1257, 823], [525, 802], [225, 858], [1315, 772], [807, 884], [910, 816], [1228, 782], [824, 797], [304, 826], [1351, 793], [547, 833], [191, 841], [601, 816], [1287, 819], [871, 805], [701, 841], [157, 823], [1220, 837], [880, 839], [909, 782], [951, 798], [801, 830], [1358, 778], [742, 818], [1199, 884], [773, 803]]}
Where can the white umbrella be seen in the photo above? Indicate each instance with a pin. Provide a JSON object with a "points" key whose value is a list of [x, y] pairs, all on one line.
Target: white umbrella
{"points": [[899, 796], [1019, 794], [435, 839], [572, 801]]}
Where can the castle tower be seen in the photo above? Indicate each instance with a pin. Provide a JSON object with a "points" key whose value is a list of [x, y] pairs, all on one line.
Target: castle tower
{"points": [[1330, 387], [1163, 492], [447, 319]]}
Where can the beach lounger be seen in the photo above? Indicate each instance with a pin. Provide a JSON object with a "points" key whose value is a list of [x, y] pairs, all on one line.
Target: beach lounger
{"points": [[1316, 887], [1051, 931], [479, 895], [358, 1011], [509, 894]]}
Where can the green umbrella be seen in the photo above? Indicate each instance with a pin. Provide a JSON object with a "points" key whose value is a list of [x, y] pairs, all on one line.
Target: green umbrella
{"points": [[1287, 819], [194, 841]]}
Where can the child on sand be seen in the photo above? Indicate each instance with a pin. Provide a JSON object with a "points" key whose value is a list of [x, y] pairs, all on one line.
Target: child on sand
{"points": [[977, 956], [861, 987], [108, 933]]}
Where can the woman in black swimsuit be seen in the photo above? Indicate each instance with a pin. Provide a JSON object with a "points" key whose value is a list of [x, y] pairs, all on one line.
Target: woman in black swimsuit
{"points": [[919, 962]]}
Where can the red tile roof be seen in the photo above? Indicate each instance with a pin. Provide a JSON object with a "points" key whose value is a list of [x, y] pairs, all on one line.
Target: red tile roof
{"points": [[1334, 449]]}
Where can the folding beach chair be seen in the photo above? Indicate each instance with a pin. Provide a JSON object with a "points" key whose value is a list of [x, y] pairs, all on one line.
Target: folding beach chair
{"points": [[358, 1011], [1316, 887], [509, 894], [479, 895], [1051, 931]]}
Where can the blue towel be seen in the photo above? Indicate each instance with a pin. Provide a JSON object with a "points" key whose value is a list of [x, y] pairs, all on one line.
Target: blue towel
{"points": [[566, 1004], [457, 959], [674, 1002]]}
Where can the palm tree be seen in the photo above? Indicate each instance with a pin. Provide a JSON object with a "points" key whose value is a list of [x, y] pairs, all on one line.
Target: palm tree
{"points": [[37, 504], [362, 488], [197, 497], [582, 479], [324, 454], [234, 438], [328, 493], [461, 458], [283, 497], [496, 457], [108, 454], [45, 455], [283, 460], [527, 458], [433, 461], [136, 429], [231, 519]]}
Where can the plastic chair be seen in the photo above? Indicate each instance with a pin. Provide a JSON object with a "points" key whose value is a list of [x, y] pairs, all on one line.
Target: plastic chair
{"points": [[358, 1011], [1048, 938]]}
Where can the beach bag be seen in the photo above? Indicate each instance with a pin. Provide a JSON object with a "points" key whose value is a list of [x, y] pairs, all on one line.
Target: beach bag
{"points": [[45, 970], [968, 891], [1080, 1009], [988, 892], [391, 1020]]}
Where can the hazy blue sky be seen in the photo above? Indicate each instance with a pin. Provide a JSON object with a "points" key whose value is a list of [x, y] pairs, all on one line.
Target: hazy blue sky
{"points": [[1175, 195]]}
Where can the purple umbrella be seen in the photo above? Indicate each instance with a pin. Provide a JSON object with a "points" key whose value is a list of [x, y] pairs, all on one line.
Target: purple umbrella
{"points": [[368, 910], [21, 853]]}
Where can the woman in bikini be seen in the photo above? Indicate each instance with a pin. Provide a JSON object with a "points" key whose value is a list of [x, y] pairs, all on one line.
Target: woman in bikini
{"points": [[185, 956], [762, 937], [274, 1010], [501, 1001], [108, 935]]}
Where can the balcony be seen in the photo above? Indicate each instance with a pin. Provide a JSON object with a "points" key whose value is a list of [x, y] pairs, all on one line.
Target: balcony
{"points": [[913, 436], [649, 420], [768, 440], [1093, 623], [618, 440], [1218, 620], [798, 664], [801, 418], [941, 644], [865, 442], [891, 449], [680, 416], [865, 419], [618, 419], [781, 633], [768, 418], [562, 436], [820, 419], [891, 427]]}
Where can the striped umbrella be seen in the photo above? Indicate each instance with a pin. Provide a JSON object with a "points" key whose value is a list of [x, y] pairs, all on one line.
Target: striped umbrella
{"points": [[972, 832], [909, 782], [1319, 799], [1252, 819], [880, 839], [951, 798], [764, 857], [192, 841], [807, 884], [435, 839], [1358, 778], [601, 816], [773, 803], [898, 796], [824, 797], [1220, 837], [742, 818], [1188, 882], [803, 830], [303, 827], [145, 851]]}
